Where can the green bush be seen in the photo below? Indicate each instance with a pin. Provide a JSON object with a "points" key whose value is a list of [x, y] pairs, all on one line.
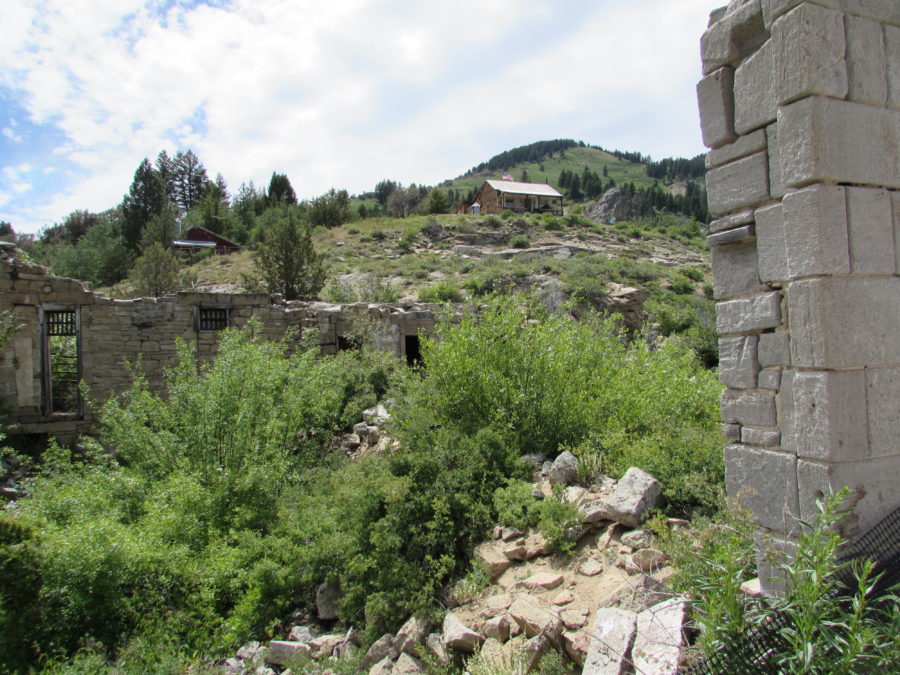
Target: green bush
{"points": [[681, 284], [442, 291], [519, 241]]}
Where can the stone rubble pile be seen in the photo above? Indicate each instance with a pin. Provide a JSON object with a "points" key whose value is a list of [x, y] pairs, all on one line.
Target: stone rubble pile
{"points": [[606, 610]]}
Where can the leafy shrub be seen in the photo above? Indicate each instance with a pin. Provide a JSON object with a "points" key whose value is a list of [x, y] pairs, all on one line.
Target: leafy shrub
{"points": [[494, 222], [551, 222], [506, 214], [681, 284], [352, 230], [693, 273], [519, 241], [442, 291], [378, 234]]}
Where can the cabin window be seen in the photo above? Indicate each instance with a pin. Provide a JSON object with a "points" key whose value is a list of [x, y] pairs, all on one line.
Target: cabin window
{"points": [[212, 318], [61, 359]]}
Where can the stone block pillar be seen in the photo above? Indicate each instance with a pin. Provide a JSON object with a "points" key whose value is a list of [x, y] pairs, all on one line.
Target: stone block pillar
{"points": [[800, 107]]}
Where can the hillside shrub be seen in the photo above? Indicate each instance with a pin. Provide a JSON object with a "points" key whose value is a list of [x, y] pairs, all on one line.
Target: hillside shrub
{"points": [[681, 284], [442, 291], [519, 241]]}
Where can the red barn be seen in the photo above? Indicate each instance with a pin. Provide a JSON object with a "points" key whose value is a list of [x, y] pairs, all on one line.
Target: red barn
{"points": [[198, 239]]}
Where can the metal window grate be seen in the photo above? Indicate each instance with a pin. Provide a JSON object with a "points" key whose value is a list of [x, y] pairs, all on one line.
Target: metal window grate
{"points": [[213, 318], [61, 322]]}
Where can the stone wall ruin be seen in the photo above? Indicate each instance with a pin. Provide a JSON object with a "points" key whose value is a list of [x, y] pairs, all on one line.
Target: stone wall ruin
{"points": [[800, 107], [109, 333]]}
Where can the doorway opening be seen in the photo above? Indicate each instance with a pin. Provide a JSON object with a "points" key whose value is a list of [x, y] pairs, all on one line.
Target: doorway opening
{"points": [[61, 360]]}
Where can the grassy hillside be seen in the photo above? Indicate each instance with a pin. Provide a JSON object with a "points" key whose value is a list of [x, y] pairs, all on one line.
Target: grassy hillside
{"points": [[548, 169]]}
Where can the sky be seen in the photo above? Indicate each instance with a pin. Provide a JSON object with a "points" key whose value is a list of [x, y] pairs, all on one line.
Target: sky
{"points": [[333, 93]]}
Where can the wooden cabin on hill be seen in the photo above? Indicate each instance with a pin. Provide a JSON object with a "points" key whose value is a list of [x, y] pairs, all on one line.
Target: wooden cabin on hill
{"points": [[499, 195], [198, 239]]}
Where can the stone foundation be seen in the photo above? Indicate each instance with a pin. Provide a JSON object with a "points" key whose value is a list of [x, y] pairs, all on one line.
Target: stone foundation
{"points": [[114, 333], [800, 105]]}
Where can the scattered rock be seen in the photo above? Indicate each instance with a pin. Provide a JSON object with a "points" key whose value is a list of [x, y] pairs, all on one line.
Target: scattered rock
{"points": [[573, 494], [383, 667], [660, 638], [517, 552], [377, 415], [324, 645], [593, 512], [590, 567], [634, 495], [249, 650], [648, 559], [493, 559], [546, 580], [576, 644], [535, 461], [327, 597], [535, 648], [282, 652], [459, 636], [233, 666], [752, 588], [381, 648], [536, 545], [435, 647], [573, 619], [411, 635], [637, 594], [408, 665], [637, 539], [565, 469], [511, 533], [301, 634], [535, 617], [563, 598], [496, 604], [610, 643], [496, 628]]}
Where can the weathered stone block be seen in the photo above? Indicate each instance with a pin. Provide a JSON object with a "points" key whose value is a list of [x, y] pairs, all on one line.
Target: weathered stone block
{"points": [[748, 407], [760, 437], [887, 11], [883, 410], [772, 551], [892, 56], [769, 379], [733, 236], [660, 638], [765, 482], [731, 432], [776, 185], [747, 314], [815, 231], [871, 231], [895, 208], [866, 62], [732, 221], [743, 146], [734, 34], [770, 243], [755, 93], [873, 489], [823, 139], [841, 322], [823, 414], [738, 185], [715, 98], [738, 364], [735, 270], [810, 46], [611, 640]]}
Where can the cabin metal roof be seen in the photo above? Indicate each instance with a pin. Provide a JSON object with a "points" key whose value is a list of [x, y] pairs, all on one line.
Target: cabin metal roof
{"points": [[513, 187]]}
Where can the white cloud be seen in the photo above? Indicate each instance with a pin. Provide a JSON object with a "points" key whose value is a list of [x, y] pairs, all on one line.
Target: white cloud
{"points": [[345, 93], [10, 133]]}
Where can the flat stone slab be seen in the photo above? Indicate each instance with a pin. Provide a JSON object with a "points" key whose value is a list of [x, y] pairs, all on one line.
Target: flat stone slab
{"points": [[611, 642], [660, 638], [545, 580]]}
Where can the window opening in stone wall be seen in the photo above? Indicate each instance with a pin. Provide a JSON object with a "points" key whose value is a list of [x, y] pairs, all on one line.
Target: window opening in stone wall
{"points": [[62, 363], [213, 318], [413, 350]]}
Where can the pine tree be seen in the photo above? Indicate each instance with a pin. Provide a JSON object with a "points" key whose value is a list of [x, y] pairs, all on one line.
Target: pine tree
{"points": [[189, 180], [145, 199], [286, 259], [524, 177], [438, 202], [156, 272], [280, 190], [575, 193]]}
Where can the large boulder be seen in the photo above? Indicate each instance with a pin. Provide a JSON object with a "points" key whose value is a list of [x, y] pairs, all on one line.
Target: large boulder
{"points": [[565, 469], [382, 648], [634, 495], [283, 652], [411, 635], [408, 665], [327, 598], [492, 557], [536, 617], [458, 636]]}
